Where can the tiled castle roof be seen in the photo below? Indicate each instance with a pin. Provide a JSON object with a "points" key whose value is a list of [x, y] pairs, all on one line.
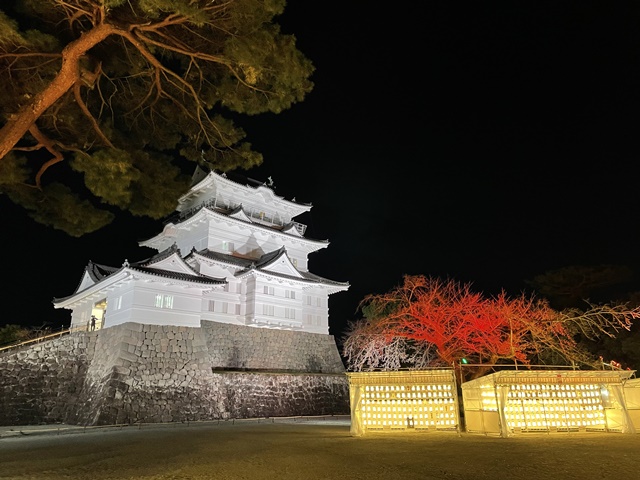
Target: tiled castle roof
{"points": [[247, 264]]}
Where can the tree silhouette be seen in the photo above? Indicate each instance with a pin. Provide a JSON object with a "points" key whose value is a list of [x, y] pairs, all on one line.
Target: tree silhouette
{"points": [[567, 287]]}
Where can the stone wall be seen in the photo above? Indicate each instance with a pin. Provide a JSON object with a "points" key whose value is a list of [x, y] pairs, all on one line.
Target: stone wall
{"points": [[146, 373], [42, 383], [247, 348]]}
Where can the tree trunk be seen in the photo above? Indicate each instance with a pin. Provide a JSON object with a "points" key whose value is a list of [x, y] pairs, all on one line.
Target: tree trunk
{"points": [[19, 123]]}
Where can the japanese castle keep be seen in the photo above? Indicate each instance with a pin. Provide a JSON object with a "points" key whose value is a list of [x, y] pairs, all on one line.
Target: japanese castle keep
{"points": [[224, 321], [232, 254]]}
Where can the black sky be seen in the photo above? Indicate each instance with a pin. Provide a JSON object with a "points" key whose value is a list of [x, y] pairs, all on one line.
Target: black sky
{"points": [[486, 142]]}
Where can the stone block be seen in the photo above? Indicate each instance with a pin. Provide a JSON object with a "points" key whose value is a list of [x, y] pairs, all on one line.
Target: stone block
{"points": [[121, 370], [128, 356]]}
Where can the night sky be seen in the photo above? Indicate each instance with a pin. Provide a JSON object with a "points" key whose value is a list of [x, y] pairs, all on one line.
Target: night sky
{"points": [[486, 142]]}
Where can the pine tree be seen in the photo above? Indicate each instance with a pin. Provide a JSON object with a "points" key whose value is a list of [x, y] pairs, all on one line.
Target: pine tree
{"points": [[112, 92]]}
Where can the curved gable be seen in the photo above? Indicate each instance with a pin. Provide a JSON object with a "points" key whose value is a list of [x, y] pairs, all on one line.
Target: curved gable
{"points": [[238, 214], [290, 228], [170, 261], [278, 262]]}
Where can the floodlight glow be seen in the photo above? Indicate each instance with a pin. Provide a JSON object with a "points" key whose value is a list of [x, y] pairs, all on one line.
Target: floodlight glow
{"points": [[411, 400], [554, 406]]}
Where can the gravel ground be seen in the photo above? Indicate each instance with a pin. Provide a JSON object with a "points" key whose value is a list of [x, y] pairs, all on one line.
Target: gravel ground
{"points": [[309, 451]]}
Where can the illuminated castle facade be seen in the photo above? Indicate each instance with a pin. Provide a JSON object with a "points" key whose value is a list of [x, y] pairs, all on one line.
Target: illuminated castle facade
{"points": [[232, 253]]}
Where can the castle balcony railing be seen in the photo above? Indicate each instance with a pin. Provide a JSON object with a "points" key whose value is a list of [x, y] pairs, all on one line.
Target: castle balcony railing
{"points": [[257, 216]]}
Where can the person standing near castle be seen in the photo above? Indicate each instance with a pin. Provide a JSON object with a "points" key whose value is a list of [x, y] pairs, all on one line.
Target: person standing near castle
{"points": [[93, 322]]}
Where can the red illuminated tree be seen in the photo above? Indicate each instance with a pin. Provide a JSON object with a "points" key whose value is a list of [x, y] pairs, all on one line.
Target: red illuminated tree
{"points": [[439, 323]]}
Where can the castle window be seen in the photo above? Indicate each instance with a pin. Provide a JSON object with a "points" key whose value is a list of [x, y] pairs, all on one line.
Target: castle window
{"points": [[227, 246], [268, 310], [290, 313], [268, 290], [164, 301], [212, 306], [290, 294]]}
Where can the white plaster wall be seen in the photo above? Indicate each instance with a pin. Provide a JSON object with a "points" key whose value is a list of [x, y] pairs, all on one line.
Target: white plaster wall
{"points": [[80, 316], [248, 295], [279, 301], [185, 312], [241, 237], [228, 299], [298, 256], [116, 316], [191, 306], [196, 237], [251, 242], [315, 310]]}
